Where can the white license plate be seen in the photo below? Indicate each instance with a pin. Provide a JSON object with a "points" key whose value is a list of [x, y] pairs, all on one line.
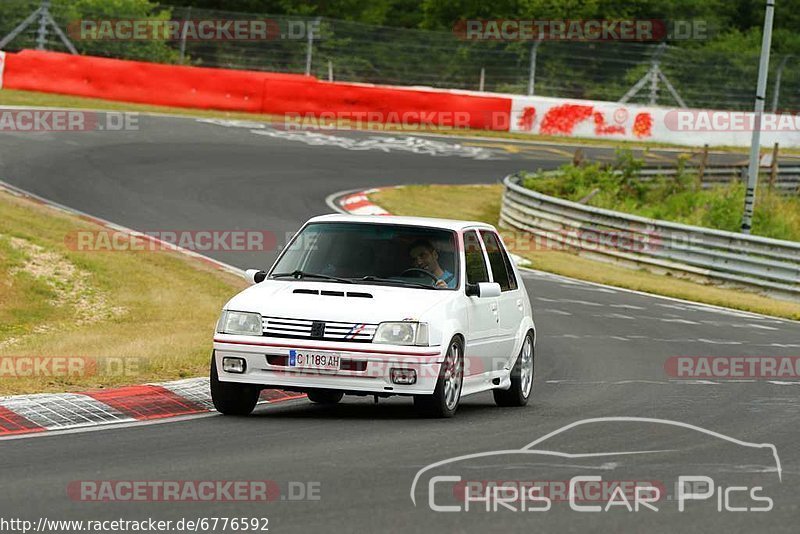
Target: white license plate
{"points": [[314, 360]]}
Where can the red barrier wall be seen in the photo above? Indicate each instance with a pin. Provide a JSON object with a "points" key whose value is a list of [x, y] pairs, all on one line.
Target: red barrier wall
{"points": [[137, 81], [252, 91], [442, 108]]}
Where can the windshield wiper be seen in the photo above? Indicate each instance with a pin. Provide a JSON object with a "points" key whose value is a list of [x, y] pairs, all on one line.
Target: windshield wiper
{"points": [[394, 281], [299, 275]]}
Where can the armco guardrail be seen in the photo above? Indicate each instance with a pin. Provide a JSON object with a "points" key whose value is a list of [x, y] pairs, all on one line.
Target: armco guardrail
{"points": [[787, 178], [786, 181], [770, 265]]}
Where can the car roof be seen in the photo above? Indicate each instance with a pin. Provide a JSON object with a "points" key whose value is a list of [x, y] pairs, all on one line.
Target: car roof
{"points": [[448, 224]]}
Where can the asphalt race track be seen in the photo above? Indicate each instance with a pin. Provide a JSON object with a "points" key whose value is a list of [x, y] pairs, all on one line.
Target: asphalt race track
{"points": [[600, 353]]}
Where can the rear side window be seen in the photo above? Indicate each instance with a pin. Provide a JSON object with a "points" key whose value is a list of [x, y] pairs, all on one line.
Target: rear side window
{"points": [[475, 263], [502, 271]]}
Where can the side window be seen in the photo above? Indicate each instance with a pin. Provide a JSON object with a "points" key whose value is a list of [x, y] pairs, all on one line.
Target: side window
{"points": [[473, 254], [499, 261]]}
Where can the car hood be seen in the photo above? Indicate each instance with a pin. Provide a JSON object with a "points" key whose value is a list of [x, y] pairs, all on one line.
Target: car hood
{"points": [[278, 298]]}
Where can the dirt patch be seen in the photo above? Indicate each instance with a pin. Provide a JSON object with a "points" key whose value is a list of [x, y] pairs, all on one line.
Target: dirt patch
{"points": [[70, 285]]}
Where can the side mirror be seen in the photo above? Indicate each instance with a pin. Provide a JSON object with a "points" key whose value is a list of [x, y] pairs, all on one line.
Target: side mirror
{"points": [[483, 290], [254, 276]]}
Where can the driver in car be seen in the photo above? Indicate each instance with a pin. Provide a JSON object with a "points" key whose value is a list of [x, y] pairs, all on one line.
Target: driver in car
{"points": [[425, 256]]}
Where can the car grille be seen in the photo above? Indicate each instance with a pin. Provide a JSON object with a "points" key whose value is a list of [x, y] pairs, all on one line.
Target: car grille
{"points": [[306, 329]]}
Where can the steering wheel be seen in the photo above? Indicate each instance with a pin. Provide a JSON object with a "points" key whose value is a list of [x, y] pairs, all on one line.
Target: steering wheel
{"points": [[418, 270]]}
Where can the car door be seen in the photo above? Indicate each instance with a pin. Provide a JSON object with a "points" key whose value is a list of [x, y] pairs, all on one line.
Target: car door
{"points": [[482, 313], [511, 304]]}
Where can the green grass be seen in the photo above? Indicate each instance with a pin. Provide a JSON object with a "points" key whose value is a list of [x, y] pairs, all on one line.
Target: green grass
{"points": [[154, 311], [679, 198], [482, 203]]}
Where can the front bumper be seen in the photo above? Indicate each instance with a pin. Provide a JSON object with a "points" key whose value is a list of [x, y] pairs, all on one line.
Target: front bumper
{"points": [[368, 367]]}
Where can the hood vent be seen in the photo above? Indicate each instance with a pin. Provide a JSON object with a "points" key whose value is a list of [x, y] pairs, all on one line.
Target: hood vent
{"points": [[306, 291], [328, 293]]}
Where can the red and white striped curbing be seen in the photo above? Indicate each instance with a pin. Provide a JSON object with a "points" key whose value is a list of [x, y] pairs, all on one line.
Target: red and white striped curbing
{"points": [[26, 414], [360, 204]]}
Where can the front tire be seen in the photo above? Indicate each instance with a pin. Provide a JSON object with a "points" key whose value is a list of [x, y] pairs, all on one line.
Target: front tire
{"points": [[324, 396], [521, 378], [230, 398], [447, 395]]}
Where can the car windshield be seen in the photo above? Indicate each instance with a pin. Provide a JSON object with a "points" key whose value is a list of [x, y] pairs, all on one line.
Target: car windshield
{"points": [[367, 253]]}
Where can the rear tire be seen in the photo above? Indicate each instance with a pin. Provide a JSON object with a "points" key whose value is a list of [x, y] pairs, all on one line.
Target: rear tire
{"points": [[325, 396], [231, 398], [521, 378], [447, 395]]}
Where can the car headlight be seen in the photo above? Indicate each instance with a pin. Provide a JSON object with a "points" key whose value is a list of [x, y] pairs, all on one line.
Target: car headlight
{"points": [[242, 323], [402, 333]]}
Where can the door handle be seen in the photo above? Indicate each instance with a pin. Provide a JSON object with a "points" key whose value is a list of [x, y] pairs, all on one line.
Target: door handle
{"points": [[493, 306], [519, 304]]}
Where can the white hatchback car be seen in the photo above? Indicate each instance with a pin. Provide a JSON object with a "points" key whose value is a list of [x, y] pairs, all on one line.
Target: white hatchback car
{"points": [[363, 305]]}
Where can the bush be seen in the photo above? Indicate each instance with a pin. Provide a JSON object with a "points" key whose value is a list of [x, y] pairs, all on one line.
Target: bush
{"points": [[678, 198], [69, 13]]}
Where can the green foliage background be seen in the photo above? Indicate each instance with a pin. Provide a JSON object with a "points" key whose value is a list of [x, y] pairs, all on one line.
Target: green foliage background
{"points": [[411, 42]]}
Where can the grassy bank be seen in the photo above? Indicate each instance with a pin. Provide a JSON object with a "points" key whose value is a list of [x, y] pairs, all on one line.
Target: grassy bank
{"points": [[482, 203], [677, 198], [122, 317]]}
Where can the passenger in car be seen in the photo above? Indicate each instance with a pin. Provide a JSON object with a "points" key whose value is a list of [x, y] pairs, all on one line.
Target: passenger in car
{"points": [[425, 256]]}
